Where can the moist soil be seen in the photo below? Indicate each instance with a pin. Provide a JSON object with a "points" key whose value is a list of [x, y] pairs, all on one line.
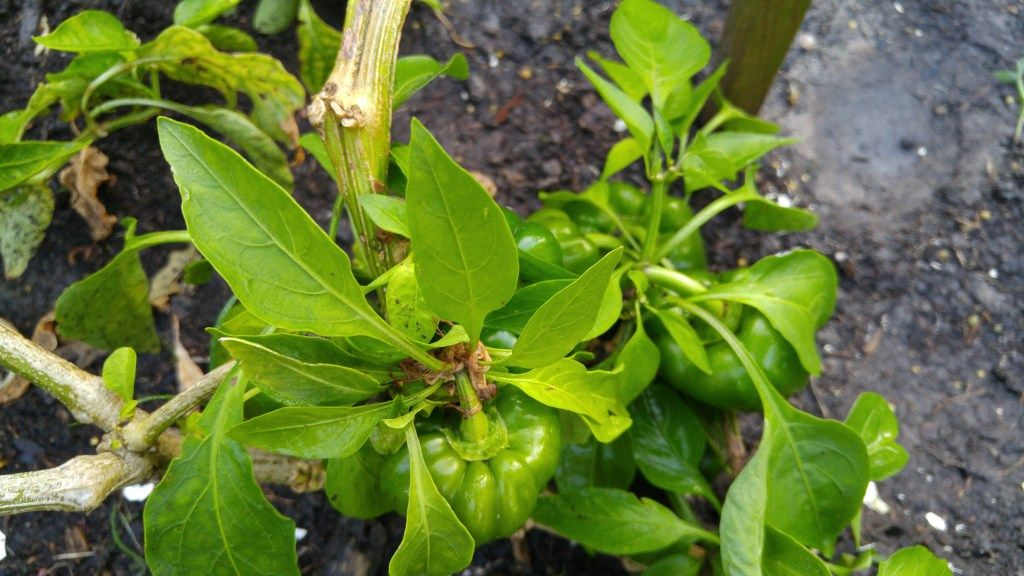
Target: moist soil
{"points": [[906, 153]]}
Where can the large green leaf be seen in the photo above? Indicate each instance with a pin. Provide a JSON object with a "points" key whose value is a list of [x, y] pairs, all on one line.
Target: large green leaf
{"points": [[185, 55], [196, 12], [668, 442], [89, 31], [614, 521], [110, 308], [25, 213], [278, 262], [795, 291], [593, 463], [313, 431], [407, 309], [208, 515], [353, 484], [638, 121], [318, 48], [561, 322], [914, 561], [22, 162], [664, 50], [290, 380], [412, 73], [784, 556], [873, 419], [466, 259], [435, 543], [514, 315]]}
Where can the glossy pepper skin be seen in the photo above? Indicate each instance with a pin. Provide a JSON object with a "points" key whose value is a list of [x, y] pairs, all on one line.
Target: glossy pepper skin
{"points": [[534, 239], [578, 253], [729, 386], [492, 497]]}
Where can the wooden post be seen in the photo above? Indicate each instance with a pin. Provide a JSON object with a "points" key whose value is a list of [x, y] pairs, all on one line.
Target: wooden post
{"points": [[755, 41]]}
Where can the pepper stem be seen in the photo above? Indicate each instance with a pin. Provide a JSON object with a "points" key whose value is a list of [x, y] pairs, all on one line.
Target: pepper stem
{"points": [[474, 426]]}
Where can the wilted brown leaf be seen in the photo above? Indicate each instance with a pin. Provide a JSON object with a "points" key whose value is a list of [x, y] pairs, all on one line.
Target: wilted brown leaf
{"points": [[187, 371], [84, 175], [166, 282]]}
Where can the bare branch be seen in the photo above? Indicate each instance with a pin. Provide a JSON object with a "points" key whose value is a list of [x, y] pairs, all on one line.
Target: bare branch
{"points": [[142, 432], [82, 393], [79, 485]]}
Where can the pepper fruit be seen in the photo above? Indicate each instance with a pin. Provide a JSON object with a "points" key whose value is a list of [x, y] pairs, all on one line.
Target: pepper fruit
{"points": [[674, 215], [729, 385], [534, 239], [578, 253], [495, 496]]}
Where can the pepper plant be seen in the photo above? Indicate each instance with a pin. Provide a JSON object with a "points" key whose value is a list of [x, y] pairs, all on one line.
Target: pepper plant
{"points": [[471, 369]]}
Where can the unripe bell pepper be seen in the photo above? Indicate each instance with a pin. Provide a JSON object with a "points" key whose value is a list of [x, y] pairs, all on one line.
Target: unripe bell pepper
{"points": [[578, 253], [534, 239], [729, 386], [492, 497]]}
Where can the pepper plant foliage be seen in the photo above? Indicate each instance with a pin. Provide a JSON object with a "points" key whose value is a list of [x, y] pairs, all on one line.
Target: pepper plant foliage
{"points": [[503, 368]]}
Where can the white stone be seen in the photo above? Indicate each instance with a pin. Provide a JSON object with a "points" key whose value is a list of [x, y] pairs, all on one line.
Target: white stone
{"points": [[3, 546], [935, 521], [138, 492], [300, 533], [873, 501], [620, 125]]}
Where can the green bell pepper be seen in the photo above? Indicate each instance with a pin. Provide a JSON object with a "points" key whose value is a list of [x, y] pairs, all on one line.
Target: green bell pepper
{"points": [[495, 496], [578, 253], [729, 386]]}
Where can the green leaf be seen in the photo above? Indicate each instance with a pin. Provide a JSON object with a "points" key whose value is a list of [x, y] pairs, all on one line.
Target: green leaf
{"points": [[119, 373], [274, 16], [276, 259], [208, 515], [610, 309], [633, 369], [614, 521], [89, 31], [185, 55], [561, 322], [22, 162], [311, 142], [914, 561], [228, 39], [353, 484], [313, 431], [412, 73], [638, 121], [110, 308], [593, 463], [742, 148], [668, 442], [686, 337], [627, 79], [69, 85], [784, 556], [664, 50], [387, 212], [514, 315], [253, 142], [25, 213], [622, 155], [318, 48], [466, 259], [795, 291], [435, 543], [195, 12], [407, 310], [873, 419], [674, 565], [306, 349], [292, 381]]}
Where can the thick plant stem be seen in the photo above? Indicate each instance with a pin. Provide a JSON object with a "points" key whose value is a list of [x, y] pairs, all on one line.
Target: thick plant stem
{"points": [[474, 425], [82, 393], [756, 38], [142, 432], [79, 485], [658, 192], [353, 113]]}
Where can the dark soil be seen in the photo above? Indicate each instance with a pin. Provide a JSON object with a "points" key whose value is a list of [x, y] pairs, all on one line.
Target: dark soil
{"points": [[906, 154]]}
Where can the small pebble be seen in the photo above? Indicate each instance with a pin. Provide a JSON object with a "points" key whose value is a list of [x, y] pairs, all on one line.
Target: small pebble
{"points": [[806, 41], [493, 61], [3, 546], [873, 501], [922, 151], [138, 492], [898, 7], [620, 125], [526, 72], [993, 273], [300, 533], [935, 521]]}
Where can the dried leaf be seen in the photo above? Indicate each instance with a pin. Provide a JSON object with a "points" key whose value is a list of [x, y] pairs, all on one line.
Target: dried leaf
{"points": [[86, 172], [187, 370], [166, 282]]}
